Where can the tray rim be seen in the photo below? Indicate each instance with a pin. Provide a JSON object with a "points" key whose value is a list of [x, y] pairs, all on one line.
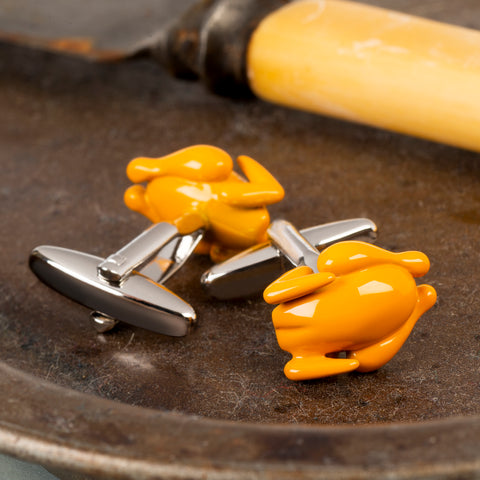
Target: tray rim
{"points": [[176, 445]]}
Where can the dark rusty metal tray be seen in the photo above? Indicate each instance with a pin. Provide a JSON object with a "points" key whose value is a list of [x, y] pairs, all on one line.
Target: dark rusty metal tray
{"points": [[132, 404]]}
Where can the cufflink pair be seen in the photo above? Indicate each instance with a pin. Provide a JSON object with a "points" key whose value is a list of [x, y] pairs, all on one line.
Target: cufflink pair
{"points": [[347, 307]]}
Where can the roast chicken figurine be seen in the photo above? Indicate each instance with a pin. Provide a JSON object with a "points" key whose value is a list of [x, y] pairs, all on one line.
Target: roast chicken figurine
{"points": [[196, 187], [354, 314]]}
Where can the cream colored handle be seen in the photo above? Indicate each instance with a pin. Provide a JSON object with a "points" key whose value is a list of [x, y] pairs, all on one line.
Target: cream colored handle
{"points": [[372, 66]]}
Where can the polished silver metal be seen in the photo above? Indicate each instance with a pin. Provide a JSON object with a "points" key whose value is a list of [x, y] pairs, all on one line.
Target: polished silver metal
{"points": [[171, 256], [102, 323], [252, 270], [118, 266], [118, 288], [292, 244]]}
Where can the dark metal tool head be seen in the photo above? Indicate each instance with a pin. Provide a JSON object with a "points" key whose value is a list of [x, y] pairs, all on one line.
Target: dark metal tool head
{"points": [[205, 39], [105, 30]]}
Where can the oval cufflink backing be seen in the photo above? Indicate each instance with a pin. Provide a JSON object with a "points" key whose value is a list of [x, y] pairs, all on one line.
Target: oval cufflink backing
{"points": [[125, 286]]}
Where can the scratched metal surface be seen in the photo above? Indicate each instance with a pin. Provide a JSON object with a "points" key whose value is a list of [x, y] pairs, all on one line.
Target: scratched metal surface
{"points": [[99, 30], [132, 404]]}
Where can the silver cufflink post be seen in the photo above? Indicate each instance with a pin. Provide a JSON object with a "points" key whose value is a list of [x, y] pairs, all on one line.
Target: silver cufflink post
{"points": [[126, 286], [252, 270]]}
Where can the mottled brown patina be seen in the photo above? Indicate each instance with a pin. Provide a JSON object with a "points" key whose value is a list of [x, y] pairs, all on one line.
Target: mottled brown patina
{"points": [[132, 404]]}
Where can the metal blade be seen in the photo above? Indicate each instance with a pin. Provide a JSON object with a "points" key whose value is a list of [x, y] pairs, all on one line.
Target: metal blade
{"points": [[95, 29]]}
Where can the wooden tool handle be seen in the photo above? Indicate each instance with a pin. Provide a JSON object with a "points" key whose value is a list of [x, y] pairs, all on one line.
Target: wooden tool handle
{"points": [[371, 66]]}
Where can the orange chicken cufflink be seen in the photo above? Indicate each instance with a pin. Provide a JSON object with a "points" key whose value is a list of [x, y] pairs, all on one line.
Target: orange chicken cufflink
{"points": [[196, 188], [352, 298], [196, 201]]}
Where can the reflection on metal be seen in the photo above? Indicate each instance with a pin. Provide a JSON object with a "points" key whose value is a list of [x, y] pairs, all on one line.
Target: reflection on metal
{"points": [[115, 289]]}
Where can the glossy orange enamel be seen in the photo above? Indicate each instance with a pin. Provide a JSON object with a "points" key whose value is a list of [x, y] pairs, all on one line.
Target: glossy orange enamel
{"points": [[364, 301], [196, 187]]}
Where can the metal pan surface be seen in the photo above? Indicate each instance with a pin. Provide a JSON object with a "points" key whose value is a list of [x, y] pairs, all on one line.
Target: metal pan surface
{"points": [[132, 404]]}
